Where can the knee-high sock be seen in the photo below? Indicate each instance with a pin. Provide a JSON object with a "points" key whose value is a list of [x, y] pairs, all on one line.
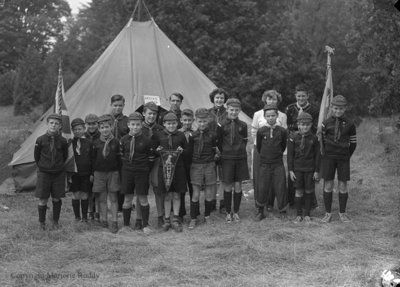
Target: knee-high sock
{"points": [[145, 214], [121, 198], [126, 213], [75, 207], [208, 206], [84, 207], [42, 213], [308, 199], [194, 209], [228, 201], [237, 198], [182, 208], [343, 202], [328, 201], [56, 210], [298, 202]]}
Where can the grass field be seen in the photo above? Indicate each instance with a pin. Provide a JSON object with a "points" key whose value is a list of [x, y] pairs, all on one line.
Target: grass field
{"points": [[267, 253]]}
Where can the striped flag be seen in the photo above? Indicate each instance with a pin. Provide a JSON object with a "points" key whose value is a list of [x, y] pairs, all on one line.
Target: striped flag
{"points": [[327, 96], [61, 109]]}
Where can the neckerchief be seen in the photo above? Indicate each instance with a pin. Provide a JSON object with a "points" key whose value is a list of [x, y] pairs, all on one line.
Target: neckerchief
{"points": [[337, 130], [187, 133], [301, 109], [78, 145], [201, 141], [106, 148], [219, 112], [117, 118], [132, 144], [170, 137], [149, 127], [92, 135], [233, 129], [303, 141], [271, 129], [52, 146]]}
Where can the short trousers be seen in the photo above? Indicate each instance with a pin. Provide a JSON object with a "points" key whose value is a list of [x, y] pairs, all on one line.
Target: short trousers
{"points": [[234, 170], [304, 180], [106, 181], [80, 183], [50, 184], [131, 181], [203, 173], [178, 184], [330, 166]]}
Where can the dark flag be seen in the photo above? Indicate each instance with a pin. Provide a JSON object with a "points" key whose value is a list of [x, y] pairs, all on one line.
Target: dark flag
{"points": [[169, 159]]}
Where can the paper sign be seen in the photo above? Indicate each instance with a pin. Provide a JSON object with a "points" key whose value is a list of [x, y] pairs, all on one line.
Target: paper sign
{"points": [[154, 99]]}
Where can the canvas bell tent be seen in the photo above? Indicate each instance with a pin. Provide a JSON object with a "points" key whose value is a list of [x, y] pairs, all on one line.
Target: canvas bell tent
{"points": [[141, 61]]}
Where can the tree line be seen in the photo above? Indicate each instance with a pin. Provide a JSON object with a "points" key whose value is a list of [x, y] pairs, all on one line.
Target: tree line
{"points": [[244, 46]]}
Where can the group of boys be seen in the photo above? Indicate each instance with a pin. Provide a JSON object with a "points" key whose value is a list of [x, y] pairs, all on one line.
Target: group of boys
{"points": [[118, 157]]}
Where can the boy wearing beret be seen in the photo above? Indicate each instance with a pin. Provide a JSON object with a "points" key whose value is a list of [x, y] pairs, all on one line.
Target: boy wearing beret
{"points": [[120, 128], [186, 121], [339, 143], [303, 164], [170, 139], [292, 111], [106, 160], [218, 98], [232, 141], [202, 172], [150, 128], [92, 133], [51, 152], [81, 183], [271, 143], [136, 152]]}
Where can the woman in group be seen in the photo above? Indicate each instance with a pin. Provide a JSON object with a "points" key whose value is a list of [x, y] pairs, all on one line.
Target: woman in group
{"points": [[269, 97]]}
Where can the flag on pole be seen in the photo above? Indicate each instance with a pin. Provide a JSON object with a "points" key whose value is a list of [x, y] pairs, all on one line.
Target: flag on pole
{"points": [[327, 96], [61, 109]]}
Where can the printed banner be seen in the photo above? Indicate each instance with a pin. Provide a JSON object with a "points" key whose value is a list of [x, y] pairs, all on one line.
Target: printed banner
{"points": [[154, 99]]}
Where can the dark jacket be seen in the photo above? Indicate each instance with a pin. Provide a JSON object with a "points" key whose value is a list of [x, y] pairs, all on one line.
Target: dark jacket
{"points": [[110, 163], [209, 146], [178, 139], [217, 116], [121, 126], [292, 111], [346, 140], [83, 160], [155, 128], [271, 149], [92, 137], [237, 149], [47, 160], [306, 159], [143, 155]]}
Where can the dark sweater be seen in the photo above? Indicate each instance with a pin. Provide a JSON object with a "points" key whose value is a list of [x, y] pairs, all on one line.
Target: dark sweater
{"points": [[142, 156], [306, 159], [345, 144], [209, 146], [217, 116], [292, 111], [155, 128], [93, 136], [237, 149], [83, 160], [271, 149], [110, 163], [47, 160], [178, 139]]}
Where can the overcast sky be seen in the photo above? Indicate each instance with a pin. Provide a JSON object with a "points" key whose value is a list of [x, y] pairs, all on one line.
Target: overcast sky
{"points": [[76, 4]]}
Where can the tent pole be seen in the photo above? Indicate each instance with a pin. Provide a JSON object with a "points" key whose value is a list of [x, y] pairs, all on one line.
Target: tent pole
{"points": [[139, 10]]}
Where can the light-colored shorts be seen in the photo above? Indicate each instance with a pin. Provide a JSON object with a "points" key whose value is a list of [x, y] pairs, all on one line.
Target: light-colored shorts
{"points": [[106, 181], [203, 173]]}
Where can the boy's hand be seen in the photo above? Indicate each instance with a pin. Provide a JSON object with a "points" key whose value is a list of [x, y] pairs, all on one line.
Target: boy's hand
{"points": [[159, 148], [292, 176], [179, 148], [91, 178], [216, 157], [316, 176]]}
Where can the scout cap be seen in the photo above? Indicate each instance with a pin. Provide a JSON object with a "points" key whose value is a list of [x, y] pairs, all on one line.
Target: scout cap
{"points": [[170, 117], [188, 113], [268, 107], [304, 118], [77, 122], [339, 100], [135, 116], [202, 113], [54, 116], [233, 102], [151, 106], [91, 118], [105, 118]]}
